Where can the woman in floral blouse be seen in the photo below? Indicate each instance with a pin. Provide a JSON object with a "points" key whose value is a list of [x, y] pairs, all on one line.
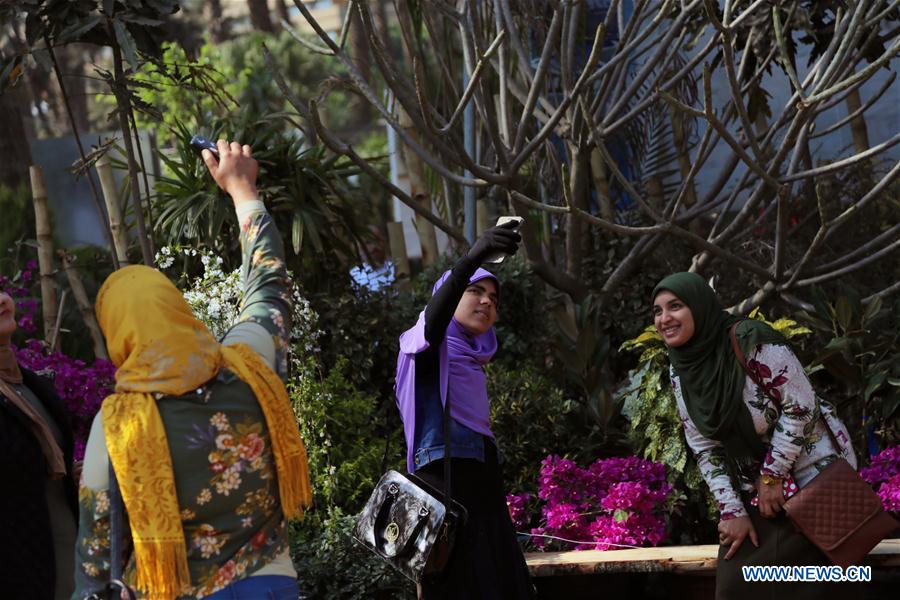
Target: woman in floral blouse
{"points": [[202, 438], [752, 455]]}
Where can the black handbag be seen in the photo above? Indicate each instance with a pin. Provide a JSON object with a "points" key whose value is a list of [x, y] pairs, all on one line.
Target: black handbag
{"points": [[410, 524]]}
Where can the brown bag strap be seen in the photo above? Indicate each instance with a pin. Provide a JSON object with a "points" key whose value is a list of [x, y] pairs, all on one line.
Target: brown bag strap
{"points": [[742, 360]]}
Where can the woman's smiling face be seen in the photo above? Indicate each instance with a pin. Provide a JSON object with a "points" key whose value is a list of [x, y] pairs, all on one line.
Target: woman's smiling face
{"points": [[673, 319], [7, 318], [477, 309]]}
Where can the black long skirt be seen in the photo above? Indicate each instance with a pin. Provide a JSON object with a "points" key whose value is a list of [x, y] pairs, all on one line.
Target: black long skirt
{"points": [[487, 562], [779, 544]]}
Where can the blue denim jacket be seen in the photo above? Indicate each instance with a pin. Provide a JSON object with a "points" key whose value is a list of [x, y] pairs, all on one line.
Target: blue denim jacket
{"points": [[428, 438]]}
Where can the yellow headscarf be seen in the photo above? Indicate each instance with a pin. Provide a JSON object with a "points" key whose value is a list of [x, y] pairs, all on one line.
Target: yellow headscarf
{"points": [[159, 347]]}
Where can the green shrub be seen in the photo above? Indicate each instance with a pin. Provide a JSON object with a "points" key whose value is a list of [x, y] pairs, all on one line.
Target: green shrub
{"points": [[532, 418], [338, 423], [856, 365], [331, 565], [346, 454]]}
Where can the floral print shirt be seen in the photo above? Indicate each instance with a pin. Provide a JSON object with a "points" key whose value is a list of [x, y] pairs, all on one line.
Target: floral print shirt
{"points": [[799, 445], [224, 466]]}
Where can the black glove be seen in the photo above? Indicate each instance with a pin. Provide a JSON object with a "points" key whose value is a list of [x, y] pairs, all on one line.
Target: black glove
{"points": [[501, 238]]}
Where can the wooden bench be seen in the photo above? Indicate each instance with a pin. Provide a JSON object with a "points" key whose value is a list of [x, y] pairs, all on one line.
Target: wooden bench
{"points": [[683, 571]]}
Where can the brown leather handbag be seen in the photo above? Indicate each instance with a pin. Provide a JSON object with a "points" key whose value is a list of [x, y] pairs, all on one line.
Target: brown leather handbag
{"points": [[837, 511]]}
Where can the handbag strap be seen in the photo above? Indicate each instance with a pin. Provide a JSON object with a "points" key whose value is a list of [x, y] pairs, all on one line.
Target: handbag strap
{"points": [[448, 449], [742, 360]]}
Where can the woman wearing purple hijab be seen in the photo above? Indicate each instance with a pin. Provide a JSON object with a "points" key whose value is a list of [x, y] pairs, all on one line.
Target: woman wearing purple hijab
{"points": [[441, 359]]}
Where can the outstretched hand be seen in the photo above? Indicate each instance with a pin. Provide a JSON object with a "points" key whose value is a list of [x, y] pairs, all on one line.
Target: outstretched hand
{"points": [[502, 238], [235, 171]]}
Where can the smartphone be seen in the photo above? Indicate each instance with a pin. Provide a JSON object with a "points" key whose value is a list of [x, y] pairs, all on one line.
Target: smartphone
{"points": [[199, 143], [498, 258]]}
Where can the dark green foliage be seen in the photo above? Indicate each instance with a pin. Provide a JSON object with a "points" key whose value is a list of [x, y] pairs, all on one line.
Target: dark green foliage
{"points": [[307, 191], [132, 25], [331, 565], [339, 423], [582, 349], [655, 432], [18, 213], [347, 453], [857, 362], [532, 417]]}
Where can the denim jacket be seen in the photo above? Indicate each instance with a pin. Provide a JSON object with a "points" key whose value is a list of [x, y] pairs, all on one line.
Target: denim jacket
{"points": [[429, 432]]}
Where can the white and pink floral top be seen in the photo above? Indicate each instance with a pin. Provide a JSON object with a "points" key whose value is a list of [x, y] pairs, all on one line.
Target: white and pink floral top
{"points": [[799, 444]]}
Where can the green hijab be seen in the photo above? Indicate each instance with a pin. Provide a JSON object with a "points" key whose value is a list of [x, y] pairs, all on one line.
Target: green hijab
{"points": [[712, 380]]}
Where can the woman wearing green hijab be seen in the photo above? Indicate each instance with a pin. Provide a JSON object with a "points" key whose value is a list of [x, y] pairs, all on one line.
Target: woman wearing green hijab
{"points": [[752, 454]]}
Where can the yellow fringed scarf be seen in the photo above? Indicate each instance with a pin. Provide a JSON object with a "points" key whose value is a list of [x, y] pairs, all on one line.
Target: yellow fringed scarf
{"points": [[159, 347]]}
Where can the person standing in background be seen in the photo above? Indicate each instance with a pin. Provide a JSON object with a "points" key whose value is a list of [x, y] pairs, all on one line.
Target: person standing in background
{"points": [[39, 505]]}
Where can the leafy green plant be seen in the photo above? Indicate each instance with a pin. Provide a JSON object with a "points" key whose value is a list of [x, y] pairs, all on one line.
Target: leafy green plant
{"points": [[655, 430], [338, 422], [532, 418], [16, 207], [308, 192], [193, 88], [582, 346], [339, 425], [331, 565], [861, 359]]}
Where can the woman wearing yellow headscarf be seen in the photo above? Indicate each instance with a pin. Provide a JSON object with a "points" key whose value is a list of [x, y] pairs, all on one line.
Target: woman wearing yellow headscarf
{"points": [[200, 434]]}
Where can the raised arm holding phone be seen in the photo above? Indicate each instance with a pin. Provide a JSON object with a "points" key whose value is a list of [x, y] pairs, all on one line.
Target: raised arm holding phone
{"points": [[441, 359], [201, 434]]}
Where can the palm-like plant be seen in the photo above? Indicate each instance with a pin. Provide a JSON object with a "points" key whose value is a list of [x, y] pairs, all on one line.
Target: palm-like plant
{"points": [[309, 193]]}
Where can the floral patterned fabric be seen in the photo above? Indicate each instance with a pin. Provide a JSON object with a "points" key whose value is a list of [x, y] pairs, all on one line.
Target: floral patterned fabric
{"points": [[222, 458], [799, 444]]}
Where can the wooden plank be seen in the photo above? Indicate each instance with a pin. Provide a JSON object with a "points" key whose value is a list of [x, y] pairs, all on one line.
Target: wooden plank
{"points": [[674, 559]]}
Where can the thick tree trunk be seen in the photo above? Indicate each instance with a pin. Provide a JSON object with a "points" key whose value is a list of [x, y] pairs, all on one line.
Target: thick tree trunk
{"points": [[259, 15], [360, 109], [282, 10], [380, 15], [684, 156], [577, 229], [14, 146], [113, 209], [218, 27], [600, 176]]}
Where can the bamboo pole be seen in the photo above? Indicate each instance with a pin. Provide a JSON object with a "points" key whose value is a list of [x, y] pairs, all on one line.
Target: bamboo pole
{"points": [[44, 230], [57, 325], [114, 209], [397, 241], [84, 305]]}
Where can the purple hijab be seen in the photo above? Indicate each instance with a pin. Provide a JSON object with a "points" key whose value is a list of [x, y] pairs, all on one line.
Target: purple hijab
{"points": [[461, 357]]}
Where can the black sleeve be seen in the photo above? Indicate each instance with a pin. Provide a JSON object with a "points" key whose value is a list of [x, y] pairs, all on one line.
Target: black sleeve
{"points": [[442, 305]]}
